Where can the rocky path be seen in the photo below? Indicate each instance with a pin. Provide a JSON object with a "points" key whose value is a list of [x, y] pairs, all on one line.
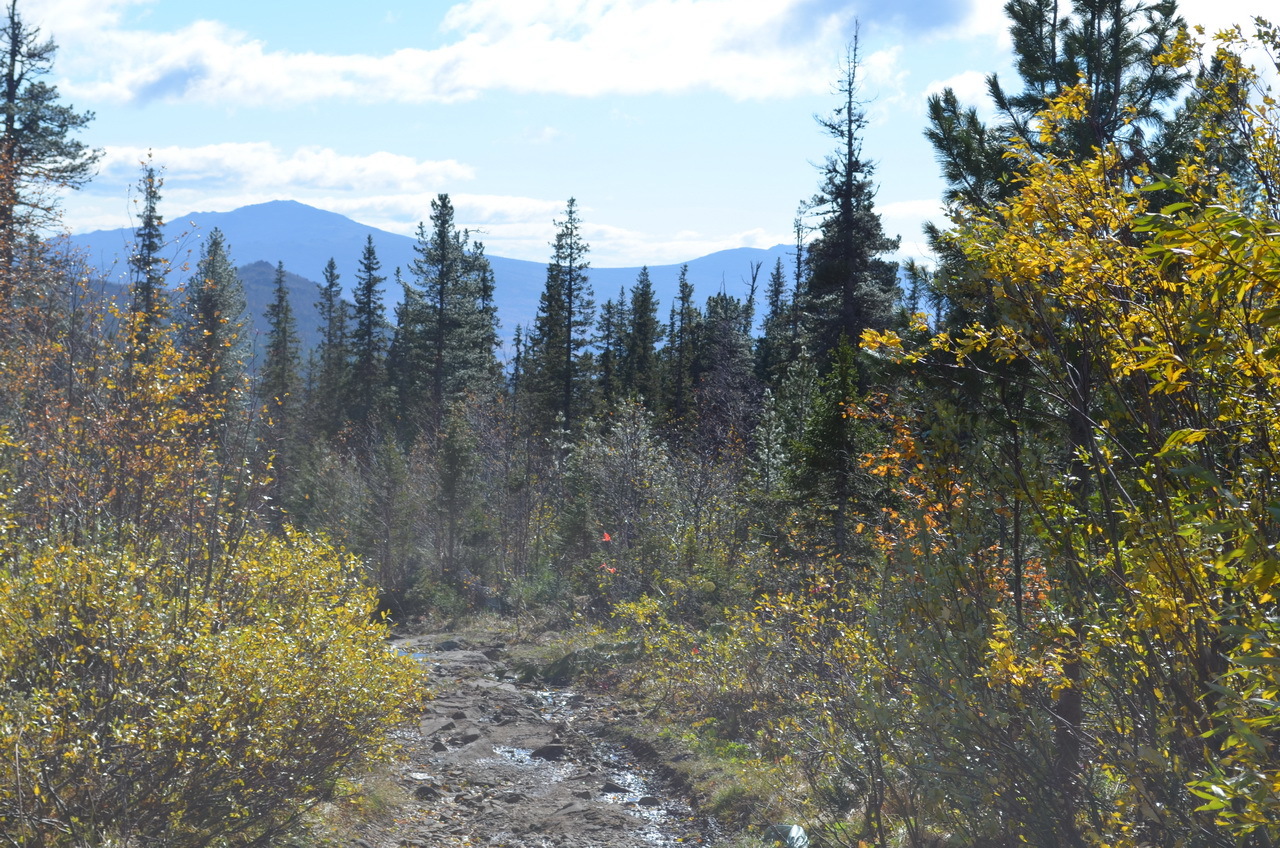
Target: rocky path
{"points": [[494, 762]]}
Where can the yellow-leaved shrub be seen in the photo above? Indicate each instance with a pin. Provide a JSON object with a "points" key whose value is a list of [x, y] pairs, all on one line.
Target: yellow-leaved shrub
{"points": [[137, 707]]}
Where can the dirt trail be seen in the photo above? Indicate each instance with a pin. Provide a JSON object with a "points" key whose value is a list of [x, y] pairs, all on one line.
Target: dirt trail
{"points": [[497, 763]]}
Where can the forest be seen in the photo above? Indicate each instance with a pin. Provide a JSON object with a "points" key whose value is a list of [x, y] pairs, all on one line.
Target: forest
{"points": [[985, 548]]}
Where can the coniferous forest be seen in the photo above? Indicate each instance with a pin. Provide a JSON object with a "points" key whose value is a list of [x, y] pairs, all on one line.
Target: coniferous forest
{"points": [[985, 548]]}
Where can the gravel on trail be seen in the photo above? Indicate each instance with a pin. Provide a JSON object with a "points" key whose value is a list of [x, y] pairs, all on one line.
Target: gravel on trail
{"points": [[495, 762]]}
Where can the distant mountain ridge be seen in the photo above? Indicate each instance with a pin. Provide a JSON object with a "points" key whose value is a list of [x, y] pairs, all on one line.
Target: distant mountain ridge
{"points": [[304, 238]]}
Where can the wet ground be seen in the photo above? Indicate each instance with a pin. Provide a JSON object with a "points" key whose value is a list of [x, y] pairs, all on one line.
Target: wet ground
{"points": [[494, 762]]}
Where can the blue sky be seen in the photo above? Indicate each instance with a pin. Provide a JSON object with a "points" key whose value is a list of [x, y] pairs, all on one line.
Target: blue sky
{"points": [[681, 126]]}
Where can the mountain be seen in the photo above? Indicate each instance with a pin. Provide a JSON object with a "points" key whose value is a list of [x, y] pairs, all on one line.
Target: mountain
{"points": [[305, 238]]}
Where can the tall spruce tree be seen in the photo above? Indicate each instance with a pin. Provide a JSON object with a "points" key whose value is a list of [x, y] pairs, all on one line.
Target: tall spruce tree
{"points": [[778, 344], [150, 305], [641, 366], [446, 329], [280, 380], [681, 349], [850, 287], [559, 368], [330, 378], [728, 393], [610, 359], [279, 389], [212, 331], [368, 340]]}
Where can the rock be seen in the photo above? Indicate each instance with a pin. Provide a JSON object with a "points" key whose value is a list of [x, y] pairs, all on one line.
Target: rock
{"points": [[451, 661], [611, 788], [552, 752], [648, 801], [458, 715], [439, 747], [465, 738], [426, 793], [590, 661], [430, 728]]}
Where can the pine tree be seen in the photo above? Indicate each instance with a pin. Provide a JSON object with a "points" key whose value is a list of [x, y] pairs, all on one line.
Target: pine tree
{"points": [[368, 340], [37, 152], [641, 371], [850, 288], [212, 332], [1108, 45], [1111, 47], [559, 367]]}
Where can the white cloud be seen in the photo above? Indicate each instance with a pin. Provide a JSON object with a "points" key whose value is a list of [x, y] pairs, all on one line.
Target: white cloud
{"points": [[970, 87], [986, 18], [262, 166], [1216, 15], [742, 48], [546, 135], [906, 219], [912, 209]]}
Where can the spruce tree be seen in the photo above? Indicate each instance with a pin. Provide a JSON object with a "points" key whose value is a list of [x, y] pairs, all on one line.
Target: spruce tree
{"points": [[331, 377], [849, 288], [641, 371], [778, 345], [559, 367], [682, 344], [728, 392], [280, 380], [368, 340], [446, 329], [610, 360], [279, 389], [212, 332], [1111, 46], [150, 304]]}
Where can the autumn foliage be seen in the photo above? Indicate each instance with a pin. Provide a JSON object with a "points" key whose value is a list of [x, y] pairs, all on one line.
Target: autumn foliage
{"points": [[1065, 629], [168, 673]]}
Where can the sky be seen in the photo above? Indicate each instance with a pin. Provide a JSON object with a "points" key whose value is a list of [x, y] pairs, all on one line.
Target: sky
{"points": [[681, 127]]}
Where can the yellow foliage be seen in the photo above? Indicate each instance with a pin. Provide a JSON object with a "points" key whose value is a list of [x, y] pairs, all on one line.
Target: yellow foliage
{"points": [[136, 705]]}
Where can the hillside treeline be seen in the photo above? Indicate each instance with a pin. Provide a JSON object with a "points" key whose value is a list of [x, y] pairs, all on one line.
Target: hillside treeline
{"points": [[980, 553]]}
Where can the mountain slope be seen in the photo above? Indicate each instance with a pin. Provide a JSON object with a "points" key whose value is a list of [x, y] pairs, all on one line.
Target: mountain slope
{"points": [[305, 238]]}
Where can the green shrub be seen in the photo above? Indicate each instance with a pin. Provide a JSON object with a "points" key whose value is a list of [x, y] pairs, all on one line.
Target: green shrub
{"points": [[141, 707]]}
